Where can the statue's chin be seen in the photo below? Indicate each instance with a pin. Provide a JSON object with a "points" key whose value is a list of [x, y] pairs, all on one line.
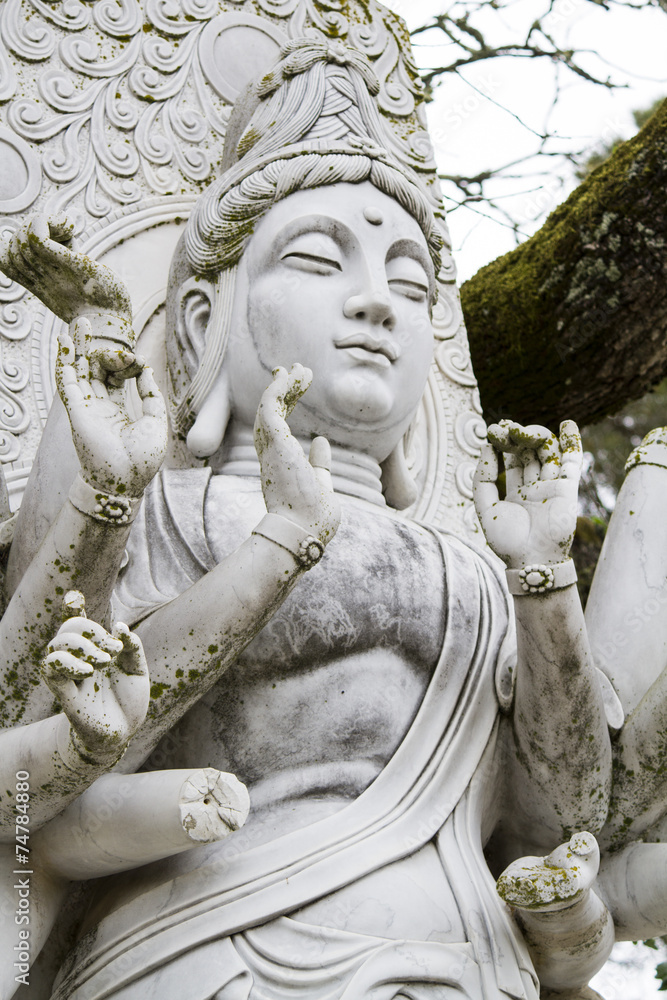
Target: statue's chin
{"points": [[353, 411], [360, 397]]}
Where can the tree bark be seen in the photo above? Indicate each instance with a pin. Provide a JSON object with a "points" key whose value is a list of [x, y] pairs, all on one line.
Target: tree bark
{"points": [[573, 323]]}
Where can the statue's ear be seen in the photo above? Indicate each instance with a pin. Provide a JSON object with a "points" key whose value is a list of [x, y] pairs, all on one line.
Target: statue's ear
{"points": [[211, 404], [398, 485], [193, 307]]}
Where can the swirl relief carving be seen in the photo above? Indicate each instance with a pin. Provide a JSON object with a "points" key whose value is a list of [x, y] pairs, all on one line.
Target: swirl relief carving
{"points": [[107, 103], [133, 97]]}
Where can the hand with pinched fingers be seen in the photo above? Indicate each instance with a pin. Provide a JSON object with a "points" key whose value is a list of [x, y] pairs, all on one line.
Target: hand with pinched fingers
{"points": [[297, 488], [100, 679], [39, 257], [553, 883], [536, 522], [118, 455]]}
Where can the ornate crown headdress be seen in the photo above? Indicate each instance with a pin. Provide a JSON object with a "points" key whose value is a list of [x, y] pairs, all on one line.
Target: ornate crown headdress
{"points": [[313, 122]]}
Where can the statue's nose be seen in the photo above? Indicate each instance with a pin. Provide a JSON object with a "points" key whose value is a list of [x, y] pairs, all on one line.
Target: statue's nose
{"points": [[372, 307]]}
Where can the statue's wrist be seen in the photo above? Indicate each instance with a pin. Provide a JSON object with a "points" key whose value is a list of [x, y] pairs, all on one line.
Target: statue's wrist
{"points": [[75, 755], [107, 325], [541, 578], [306, 549], [102, 505]]}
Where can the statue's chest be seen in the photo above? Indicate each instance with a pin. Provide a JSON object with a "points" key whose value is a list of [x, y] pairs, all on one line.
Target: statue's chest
{"points": [[380, 585]]}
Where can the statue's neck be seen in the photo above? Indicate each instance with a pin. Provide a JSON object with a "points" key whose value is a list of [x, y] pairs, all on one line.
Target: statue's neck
{"points": [[353, 473]]}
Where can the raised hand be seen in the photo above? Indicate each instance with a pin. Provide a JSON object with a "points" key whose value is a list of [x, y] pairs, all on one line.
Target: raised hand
{"points": [[39, 257], [298, 489], [536, 521], [101, 680], [118, 455]]}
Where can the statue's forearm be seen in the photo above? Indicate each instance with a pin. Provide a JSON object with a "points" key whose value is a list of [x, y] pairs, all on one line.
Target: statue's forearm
{"points": [[633, 884], [168, 812], [56, 463], [78, 553], [43, 757], [561, 766], [639, 798], [626, 613]]}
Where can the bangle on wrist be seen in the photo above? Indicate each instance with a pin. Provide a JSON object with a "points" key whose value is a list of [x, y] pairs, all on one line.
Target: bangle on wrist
{"points": [[306, 549], [105, 507], [105, 760], [541, 578], [652, 450]]}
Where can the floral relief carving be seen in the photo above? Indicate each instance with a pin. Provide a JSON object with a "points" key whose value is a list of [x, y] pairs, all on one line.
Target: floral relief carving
{"points": [[140, 101]]}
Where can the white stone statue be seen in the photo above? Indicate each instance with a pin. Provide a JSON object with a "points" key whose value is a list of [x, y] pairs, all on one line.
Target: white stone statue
{"points": [[364, 715], [401, 742], [101, 680]]}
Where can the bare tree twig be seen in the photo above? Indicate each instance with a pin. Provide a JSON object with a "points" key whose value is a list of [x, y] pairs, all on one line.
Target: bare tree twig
{"points": [[466, 32]]}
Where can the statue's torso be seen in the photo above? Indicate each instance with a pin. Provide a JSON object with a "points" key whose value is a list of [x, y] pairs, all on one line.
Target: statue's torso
{"points": [[338, 674], [322, 698]]}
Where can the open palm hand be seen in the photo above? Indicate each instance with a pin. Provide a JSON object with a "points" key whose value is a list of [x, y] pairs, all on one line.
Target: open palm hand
{"points": [[118, 455], [536, 521]]}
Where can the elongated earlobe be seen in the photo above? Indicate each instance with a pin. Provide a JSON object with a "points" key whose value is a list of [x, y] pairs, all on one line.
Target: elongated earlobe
{"points": [[208, 430], [399, 488]]}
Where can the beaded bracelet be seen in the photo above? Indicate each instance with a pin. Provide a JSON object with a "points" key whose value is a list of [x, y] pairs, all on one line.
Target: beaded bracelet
{"points": [[105, 507], [541, 578]]}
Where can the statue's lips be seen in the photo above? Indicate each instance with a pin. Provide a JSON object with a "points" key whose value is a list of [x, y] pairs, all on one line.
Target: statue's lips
{"points": [[369, 349]]}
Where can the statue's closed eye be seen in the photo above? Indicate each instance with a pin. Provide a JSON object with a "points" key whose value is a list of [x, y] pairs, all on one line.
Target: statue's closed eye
{"points": [[311, 262], [411, 289], [406, 276]]}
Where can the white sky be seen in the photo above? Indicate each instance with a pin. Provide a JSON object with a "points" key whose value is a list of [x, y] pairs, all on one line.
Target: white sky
{"points": [[631, 975], [471, 133]]}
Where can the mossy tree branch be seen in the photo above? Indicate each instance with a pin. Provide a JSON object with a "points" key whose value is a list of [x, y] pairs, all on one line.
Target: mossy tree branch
{"points": [[573, 323]]}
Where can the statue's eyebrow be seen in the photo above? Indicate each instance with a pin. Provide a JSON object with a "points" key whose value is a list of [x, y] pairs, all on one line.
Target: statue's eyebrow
{"points": [[323, 225]]}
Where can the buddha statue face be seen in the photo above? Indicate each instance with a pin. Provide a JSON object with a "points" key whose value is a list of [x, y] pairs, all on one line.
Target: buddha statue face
{"points": [[338, 278]]}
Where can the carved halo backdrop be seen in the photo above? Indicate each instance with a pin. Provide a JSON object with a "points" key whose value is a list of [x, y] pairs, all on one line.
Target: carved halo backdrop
{"points": [[115, 112]]}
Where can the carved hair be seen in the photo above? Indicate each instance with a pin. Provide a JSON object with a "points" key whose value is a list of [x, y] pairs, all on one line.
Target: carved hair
{"points": [[320, 127]]}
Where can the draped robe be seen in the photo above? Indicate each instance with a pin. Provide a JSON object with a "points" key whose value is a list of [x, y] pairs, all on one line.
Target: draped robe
{"points": [[222, 930]]}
